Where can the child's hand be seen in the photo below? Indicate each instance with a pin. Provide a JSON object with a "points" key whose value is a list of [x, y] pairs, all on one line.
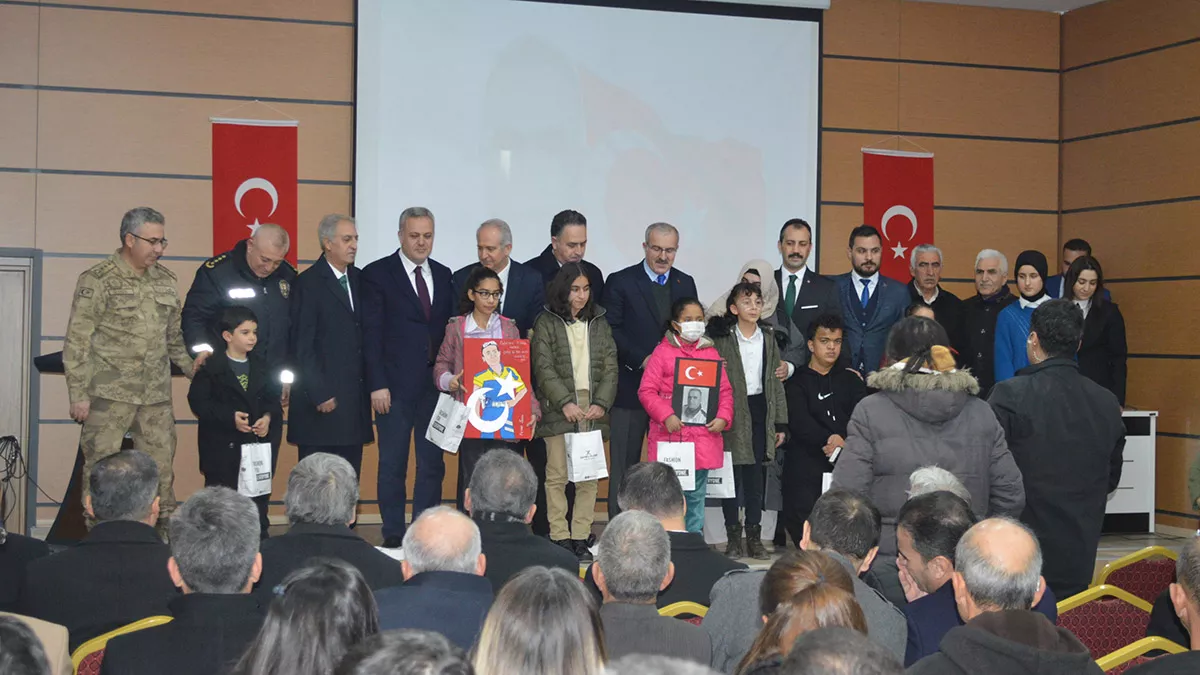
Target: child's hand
{"points": [[241, 421], [263, 425], [456, 382], [716, 426], [673, 424]]}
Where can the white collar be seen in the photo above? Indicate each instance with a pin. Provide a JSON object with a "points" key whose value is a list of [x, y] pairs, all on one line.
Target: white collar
{"points": [[756, 336], [336, 273], [409, 265], [784, 273], [1025, 304], [937, 290], [874, 279]]}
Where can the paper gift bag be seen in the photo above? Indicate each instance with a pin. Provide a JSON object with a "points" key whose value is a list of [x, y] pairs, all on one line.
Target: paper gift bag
{"points": [[680, 456], [448, 423], [254, 476], [720, 482], [585, 456]]}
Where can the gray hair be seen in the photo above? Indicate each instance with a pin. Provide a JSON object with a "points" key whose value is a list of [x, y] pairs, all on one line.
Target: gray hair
{"points": [[918, 250], [133, 220], [1187, 568], [414, 212], [322, 489], [123, 486], [21, 650], [406, 652], [505, 230], [429, 548], [503, 482], [990, 585], [327, 227], [643, 664], [635, 554], [273, 233], [214, 540], [993, 253], [936, 479], [662, 228]]}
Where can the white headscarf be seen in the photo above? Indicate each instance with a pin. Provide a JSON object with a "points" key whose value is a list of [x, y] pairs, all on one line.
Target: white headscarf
{"points": [[770, 289]]}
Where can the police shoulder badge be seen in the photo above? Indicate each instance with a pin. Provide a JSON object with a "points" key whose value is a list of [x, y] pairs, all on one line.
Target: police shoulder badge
{"points": [[284, 288]]}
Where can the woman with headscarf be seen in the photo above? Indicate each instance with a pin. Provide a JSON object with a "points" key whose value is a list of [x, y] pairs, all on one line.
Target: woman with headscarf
{"points": [[759, 273], [1012, 326]]}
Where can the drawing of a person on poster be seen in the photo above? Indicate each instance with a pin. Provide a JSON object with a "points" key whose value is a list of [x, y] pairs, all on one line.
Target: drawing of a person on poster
{"points": [[498, 388]]}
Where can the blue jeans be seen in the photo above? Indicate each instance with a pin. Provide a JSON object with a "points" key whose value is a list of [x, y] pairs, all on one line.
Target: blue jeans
{"points": [[396, 433], [694, 518]]}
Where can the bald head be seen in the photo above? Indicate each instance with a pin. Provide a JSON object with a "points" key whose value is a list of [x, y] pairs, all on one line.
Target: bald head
{"points": [[266, 249], [442, 540], [999, 564]]}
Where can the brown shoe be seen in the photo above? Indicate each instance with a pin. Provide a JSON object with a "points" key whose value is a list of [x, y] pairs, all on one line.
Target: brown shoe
{"points": [[733, 548], [754, 545]]}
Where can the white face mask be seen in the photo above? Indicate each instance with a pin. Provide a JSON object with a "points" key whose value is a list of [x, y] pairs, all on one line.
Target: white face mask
{"points": [[691, 330]]}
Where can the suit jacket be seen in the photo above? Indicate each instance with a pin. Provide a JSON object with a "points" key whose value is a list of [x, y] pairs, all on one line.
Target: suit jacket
{"points": [[524, 295], [116, 575], [451, 603], [16, 552], [327, 351], [1103, 351], [207, 636], [977, 350], [283, 554], [947, 311], [399, 342], [639, 629], [636, 325], [54, 641], [815, 296], [511, 547], [215, 395], [865, 341], [547, 265], [697, 568]]}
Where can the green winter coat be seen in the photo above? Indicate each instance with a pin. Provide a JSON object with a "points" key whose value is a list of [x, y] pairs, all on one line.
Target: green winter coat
{"points": [[554, 378], [740, 436]]}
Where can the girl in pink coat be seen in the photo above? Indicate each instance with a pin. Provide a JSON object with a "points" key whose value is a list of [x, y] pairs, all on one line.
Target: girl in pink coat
{"points": [[685, 339]]}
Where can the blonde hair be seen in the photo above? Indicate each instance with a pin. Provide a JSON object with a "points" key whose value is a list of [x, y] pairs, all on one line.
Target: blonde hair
{"points": [[822, 605]]}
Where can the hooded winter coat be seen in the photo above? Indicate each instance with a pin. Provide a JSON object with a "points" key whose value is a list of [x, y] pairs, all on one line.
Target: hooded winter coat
{"points": [[922, 419], [554, 375], [1011, 641], [655, 396]]}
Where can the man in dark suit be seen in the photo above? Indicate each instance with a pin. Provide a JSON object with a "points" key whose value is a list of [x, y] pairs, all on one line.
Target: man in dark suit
{"points": [[638, 300], [329, 412], [804, 295], [500, 501], [926, 267], [1073, 249], [977, 349], [633, 566], [444, 588], [407, 300], [118, 573], [524, 293], [215, 562], [322, 493], [568, 244], [871, 302], [654, 488]]}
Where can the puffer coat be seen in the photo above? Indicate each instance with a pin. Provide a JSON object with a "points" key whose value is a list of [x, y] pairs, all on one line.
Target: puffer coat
{"points": [[554, 376]]}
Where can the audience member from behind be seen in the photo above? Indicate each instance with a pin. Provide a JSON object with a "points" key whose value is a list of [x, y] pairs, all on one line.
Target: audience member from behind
{"points": [[444, 589], [543, 623], [1066, 435], [501, 499], [406, 652], [319, 612], [936, 479], [21, 651], [322, 494], [634, 565], [1185, 596], [118, 573], [654, 488], [54, 640], [640, 664], [839, 651], [215, 562], [16, 552], [997, 578]]}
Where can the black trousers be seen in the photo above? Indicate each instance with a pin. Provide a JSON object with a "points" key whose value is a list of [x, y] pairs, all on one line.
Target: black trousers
{"points": [[225, 474], [803, 469], [749, 480], [629, 427]]}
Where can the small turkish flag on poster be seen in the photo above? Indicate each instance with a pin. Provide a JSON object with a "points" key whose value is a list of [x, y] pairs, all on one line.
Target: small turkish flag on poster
{"points": [[898, 201], [697, 372], [254, 178]]}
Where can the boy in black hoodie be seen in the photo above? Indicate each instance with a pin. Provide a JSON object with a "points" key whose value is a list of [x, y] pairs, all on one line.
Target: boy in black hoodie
{"points": [[235, 399]]}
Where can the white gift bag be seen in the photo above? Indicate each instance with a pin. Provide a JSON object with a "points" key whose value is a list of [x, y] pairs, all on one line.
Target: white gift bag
{"points": [[720, 481], [585, 456], [448, 423], [680, 456], [254, 476]]}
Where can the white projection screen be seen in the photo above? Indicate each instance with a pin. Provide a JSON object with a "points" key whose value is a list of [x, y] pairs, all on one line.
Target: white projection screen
{"points": [[518, 109]]}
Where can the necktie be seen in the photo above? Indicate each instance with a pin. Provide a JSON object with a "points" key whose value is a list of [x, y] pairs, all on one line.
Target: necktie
{"points": [[345, 282], [423, 295], [866, 294], [789, 301], [662, 280]]}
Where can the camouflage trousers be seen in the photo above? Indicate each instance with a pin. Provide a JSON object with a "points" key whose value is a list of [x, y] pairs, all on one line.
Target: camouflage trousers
{"points": [[153, 430]]}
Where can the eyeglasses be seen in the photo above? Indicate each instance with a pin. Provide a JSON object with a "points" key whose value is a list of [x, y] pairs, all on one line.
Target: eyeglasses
{"points": [[658, 250], [153, 242], [494, 295]]}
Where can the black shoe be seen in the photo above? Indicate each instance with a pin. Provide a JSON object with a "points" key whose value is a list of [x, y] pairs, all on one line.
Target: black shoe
{"points": [[733, 538], [754, 545], [582, 551], [393, 542], [568, 544]]}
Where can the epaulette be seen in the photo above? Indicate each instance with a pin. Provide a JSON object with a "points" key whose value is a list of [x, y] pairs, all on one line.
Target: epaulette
{"points": [[215, 260], [101, 269], [289, 264], [165, 270]]}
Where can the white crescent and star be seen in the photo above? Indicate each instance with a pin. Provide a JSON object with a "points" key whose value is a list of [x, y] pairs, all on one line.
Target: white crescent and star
{"points": [[687, 372], [485, 426], [255, 184], [899, 250]]}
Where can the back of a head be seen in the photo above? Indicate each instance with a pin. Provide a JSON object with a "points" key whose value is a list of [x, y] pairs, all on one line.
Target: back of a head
{"points": [[936, 521], [796, 571], [503, 483], [644, 664], [818, 606], [635, 554], [322, 489], [929, 479], [1187, 569], [1001, 563], [544, 622], [442, 539], [839, 651], [1059, 327], [406, 652], [845, 522], [21, 652], [914, 337], [123, 486], [654, 488], [214, 540]]}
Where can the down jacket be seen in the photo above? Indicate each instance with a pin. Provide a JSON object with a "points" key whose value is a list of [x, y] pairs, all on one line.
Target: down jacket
{"points": [[922, 419], [554, 376], [740, 439], [655, 396]]}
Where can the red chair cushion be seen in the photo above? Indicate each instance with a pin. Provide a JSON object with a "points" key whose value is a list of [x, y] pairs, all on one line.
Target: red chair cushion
{"points": [[1145, 578], [1105, 625], [90, 665], [1136, 661], [694, 620]]}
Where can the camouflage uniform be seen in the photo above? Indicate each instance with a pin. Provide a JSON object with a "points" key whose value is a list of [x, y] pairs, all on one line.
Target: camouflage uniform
{"points": [[122, 337]]}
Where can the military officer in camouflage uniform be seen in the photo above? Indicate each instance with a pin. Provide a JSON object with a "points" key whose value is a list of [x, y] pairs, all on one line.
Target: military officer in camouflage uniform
{"points": [[122, 337]]}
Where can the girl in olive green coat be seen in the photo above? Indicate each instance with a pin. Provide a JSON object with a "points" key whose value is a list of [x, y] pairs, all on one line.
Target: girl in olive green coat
{"points": [[575, 370]]}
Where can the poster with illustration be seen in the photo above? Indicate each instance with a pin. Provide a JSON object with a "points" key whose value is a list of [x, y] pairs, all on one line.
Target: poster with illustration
{"points": [[697, 390], [497, 387]]}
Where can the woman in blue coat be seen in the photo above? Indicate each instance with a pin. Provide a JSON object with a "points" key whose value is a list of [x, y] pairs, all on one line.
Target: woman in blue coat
{"points": [[1012, 326]]}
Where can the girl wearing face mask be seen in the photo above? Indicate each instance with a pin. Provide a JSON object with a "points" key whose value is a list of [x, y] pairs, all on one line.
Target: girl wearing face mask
{"points": [[1012, 326], [685, 339], [1103, 350]]}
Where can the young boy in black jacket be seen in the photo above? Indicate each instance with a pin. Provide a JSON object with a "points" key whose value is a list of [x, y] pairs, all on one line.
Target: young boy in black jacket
{"points": [[235, 399]]}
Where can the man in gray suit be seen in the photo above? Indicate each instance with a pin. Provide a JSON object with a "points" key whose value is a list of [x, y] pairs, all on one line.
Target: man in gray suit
{"points": [[633, 566]]}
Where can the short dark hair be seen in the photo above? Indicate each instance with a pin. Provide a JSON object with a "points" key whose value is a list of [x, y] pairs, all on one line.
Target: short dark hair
{"points": [[911, 310], [406, 652], [845, 522], [1059, 327], [652, 487], [1187, 568], [1078, 245], [558, 293], [677, 308], [21, 652], [794, 222], [936, 521], [839, 651], [829, 321], [123, 486], [477, 276], [1082, 264], [565, 218], [914, 338], [863, 231], [232, 317], [739, 289]]}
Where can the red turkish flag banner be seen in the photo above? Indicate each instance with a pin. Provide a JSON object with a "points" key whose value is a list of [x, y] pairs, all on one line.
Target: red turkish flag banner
{"points": [[697, 372], [898, 201], [254, 179]]}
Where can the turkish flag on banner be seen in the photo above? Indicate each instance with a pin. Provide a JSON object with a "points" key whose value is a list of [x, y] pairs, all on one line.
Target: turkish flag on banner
{"points": [[898, 201], [253, 179]]}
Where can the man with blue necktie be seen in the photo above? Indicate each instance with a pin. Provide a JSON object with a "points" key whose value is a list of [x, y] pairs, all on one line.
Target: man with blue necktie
{"points": [[871, 302]]}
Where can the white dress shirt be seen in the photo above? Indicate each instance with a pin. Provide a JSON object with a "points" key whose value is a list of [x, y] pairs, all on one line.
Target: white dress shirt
{"points": [[338, 275], [503, 274], [751, 349], [858, 284], [1085, 305], [785, 278], [410, 268]]}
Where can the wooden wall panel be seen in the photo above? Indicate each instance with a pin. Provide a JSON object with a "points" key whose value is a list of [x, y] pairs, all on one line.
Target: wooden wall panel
{"points": [[1174, 459], [1145, 304], [836, 224], [1136, 242], [978, 101], [19, 131], [305, 10], [18, 44], [981, 35], [863, 28], [1168, 386], [860, 94], [17, 196], [963, 234], [1149, 165], [1118, 27]]}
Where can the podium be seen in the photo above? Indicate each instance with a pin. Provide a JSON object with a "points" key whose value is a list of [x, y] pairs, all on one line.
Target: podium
{"points": [[1131, 506]]}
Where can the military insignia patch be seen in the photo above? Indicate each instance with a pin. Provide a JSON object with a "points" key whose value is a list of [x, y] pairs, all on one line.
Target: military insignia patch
{"points": [[284, 288]]}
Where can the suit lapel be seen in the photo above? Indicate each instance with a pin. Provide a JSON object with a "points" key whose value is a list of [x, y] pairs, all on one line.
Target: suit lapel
{"points": [[229, 379], [400, 275], [355, 290], [647, 289], [333, 285]]}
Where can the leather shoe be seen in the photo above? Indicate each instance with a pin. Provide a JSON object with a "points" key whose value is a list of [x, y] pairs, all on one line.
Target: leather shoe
{"points": [[393, 542]]}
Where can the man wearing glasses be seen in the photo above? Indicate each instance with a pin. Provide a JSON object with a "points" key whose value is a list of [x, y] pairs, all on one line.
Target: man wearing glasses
{"points": [[122, 337], [926, 267], [977, 350]]}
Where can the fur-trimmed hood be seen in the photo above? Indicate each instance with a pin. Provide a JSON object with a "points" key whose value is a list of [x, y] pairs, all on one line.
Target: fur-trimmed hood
{"points": [[932, 397]]}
